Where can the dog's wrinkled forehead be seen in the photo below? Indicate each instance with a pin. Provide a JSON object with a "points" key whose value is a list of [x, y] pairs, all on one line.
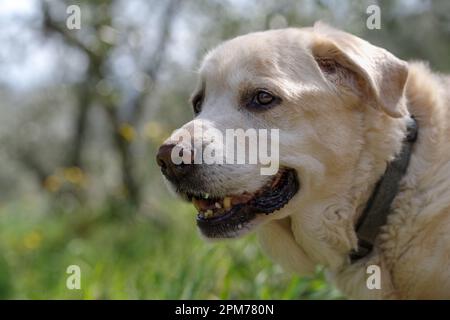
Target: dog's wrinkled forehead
{"points": [[240, 56], [258, 57]]}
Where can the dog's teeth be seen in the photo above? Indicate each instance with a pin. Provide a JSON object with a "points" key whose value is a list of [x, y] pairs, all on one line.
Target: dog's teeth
{"points": [[227, 203], [206, 196], [218, 206]]}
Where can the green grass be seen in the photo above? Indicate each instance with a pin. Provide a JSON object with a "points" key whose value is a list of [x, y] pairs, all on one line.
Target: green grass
{"points": [[160, 256]]}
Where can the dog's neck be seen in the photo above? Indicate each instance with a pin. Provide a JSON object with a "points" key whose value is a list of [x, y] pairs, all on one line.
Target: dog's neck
{"points": [[325, 227], [379, 204]]}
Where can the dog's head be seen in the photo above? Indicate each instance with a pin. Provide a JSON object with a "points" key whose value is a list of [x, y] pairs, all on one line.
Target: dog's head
{"points": [[312, 91]]}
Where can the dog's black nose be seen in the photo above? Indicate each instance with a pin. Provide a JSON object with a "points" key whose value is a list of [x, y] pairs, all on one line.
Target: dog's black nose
{"points": [[171, 170], [163, 157]]}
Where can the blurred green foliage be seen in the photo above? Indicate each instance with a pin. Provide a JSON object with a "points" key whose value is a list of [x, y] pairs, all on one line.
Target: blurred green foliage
{"points": [[136, 259]]}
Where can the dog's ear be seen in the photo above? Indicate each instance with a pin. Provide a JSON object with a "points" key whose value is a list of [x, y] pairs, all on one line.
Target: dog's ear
{"points": [[372, 73]]}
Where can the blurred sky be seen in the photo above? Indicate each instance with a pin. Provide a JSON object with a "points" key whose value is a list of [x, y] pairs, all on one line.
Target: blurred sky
{"points": [[27, 59], [24, 70]]}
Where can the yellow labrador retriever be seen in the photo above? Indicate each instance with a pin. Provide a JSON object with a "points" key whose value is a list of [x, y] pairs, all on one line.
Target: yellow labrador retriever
{"points": [[363, 186]]}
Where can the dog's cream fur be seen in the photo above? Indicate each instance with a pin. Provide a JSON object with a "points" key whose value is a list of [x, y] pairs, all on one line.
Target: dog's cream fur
{"points": [[339, 129]]}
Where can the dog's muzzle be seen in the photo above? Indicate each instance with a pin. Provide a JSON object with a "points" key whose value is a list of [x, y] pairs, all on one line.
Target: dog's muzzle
{"points": [[229, 215]]}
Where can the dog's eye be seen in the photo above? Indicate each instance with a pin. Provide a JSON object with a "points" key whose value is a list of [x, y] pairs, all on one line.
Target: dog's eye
{"points": [[263, 99], [197, 103]]}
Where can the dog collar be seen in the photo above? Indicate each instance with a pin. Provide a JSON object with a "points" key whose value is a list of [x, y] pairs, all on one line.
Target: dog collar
{"points": [[378, 207]]}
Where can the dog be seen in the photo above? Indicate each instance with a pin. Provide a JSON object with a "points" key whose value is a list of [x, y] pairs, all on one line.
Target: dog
{"points": [[364, 151]]}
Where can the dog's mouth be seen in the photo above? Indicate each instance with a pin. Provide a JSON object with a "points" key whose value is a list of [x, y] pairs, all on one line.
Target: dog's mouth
{"points": [[230, 216]]}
